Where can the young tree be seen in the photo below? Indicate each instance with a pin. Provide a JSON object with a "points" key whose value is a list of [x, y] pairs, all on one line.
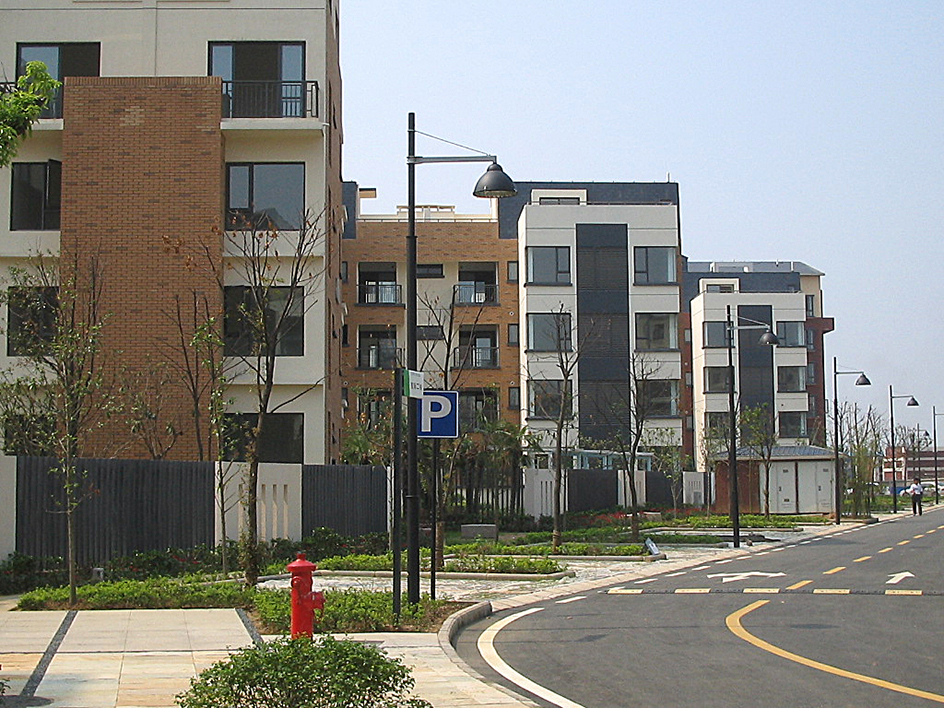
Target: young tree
{"points": [[145, 394], [22, 106], [58, 391], [668, 459], [760, 437], [714, 440], [862, 446]]}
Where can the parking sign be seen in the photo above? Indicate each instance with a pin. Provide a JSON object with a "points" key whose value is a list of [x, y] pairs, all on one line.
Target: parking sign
{"points": [[438, 413]]}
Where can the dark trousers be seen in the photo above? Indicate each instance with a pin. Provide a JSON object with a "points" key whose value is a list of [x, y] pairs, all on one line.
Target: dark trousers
{"points": [[916, 504]]}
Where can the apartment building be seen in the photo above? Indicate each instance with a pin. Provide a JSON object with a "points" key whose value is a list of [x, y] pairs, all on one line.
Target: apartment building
{"points": [[179, 120], [467, 308]]}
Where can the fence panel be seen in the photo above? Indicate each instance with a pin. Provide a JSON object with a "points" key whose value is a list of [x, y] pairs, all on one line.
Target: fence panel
{"points": [[588, 490], [127, 506], [351, 499]]}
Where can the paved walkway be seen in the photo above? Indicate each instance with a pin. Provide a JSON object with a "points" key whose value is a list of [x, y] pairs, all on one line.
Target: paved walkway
{"points": [[144, 658]]}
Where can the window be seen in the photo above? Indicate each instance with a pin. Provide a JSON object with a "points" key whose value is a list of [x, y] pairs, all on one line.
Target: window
{"points": [[282, 324], [791, 334], [716, 334], [810, 339], [477, 284], [61, 60], [656, 331], [374, 406], [546, 398], [719, 287], [549, 265], [717, 422], [811, 306], [28, 435], [429, 270], [791, 379], [377, 348], [281, 440], [477, 348], [559, 201], [514, 398], [32, 317], [716, 379], [660, 397], [793, 424], [345, 335], [343, 271], [261, 79], [513, 340], [477, 406], [264, 194], [35, 196], [429, 333], [512, 271], [549, 332], [377, 284], [654, 265]]}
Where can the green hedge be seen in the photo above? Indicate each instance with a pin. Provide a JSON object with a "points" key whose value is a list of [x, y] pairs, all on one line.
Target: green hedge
{"points": [[157, 593]]}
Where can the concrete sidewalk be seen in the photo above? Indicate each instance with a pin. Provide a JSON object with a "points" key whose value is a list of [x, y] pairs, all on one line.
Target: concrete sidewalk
{"points": [[144, 658]]}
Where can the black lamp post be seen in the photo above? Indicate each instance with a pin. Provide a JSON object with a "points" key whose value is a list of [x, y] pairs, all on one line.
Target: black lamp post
{"points": [[770, 339], [863, 380], [494, 183], [891, 418], [934, 415]]}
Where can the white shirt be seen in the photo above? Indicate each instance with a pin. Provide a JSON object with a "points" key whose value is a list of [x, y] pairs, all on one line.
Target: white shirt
{"points": [[915, 488]]}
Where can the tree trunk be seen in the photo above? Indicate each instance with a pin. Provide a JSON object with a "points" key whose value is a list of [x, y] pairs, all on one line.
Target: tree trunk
{"points": [[250, 536], [767, 491]]}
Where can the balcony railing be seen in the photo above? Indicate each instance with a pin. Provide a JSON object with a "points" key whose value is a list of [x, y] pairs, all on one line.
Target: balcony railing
{"points": [[270, 99], [476, 293], [475, 358], [379, 294], [378, 357]]}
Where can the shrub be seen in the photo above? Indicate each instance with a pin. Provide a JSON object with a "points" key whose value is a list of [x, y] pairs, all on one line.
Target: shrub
{"points": [[156, 593], [20, 573], [325, 673], [501, 564]]}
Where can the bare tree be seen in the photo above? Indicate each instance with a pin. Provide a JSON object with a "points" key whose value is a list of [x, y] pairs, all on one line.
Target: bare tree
{"points": [[863, 447], [668, 459], [145, 393], [712, 442], [758, 435]]}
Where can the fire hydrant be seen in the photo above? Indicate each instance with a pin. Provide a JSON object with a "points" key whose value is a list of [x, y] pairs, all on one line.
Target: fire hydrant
{"points": [[304, 601]]}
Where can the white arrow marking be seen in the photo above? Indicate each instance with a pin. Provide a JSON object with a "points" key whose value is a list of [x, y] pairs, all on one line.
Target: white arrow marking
{"points": [[731, 577], [896, 578]]}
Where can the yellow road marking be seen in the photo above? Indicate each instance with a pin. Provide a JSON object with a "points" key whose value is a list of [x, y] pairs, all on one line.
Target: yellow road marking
{"points": [[920, 535], [831, 591], [863, 558], [761, 591], [902, 543], [625, 591], [885, 550], [941, 526], [692, 591], [797, 586], [733, 622], [932, 530], [903, 592], [835, 570]]}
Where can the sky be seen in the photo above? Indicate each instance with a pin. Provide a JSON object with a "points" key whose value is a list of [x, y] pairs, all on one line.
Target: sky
{"points": [[807, 131]]}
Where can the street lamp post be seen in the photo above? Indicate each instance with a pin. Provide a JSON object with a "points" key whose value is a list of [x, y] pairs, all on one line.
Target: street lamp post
{"points": [[494, 183], [934, 415], [768, 338], [891, 418], [863, 380]]}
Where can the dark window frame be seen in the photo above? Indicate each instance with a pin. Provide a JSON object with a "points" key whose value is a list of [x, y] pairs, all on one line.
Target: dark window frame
{"points": [[42, 305], [562, 272], [429, 270], [641, 271], [709, 340], [274, 444], [238, 335], [49, 212], [671, 328], [565, 344], [245, 218]]}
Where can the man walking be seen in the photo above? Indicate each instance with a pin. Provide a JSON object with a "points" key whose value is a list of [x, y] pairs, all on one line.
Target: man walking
{"points": [[916, 490]]}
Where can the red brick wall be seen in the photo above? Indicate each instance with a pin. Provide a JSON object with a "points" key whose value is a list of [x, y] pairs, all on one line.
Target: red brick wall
{"points": [[142, 190]]}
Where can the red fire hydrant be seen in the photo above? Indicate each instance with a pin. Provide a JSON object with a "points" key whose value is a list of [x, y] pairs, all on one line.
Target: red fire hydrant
{"points": [[304, 601]]}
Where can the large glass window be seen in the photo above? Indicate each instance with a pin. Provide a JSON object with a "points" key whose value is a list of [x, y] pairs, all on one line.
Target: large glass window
{"points": [[32, 317], [717, 422], [477, 406], [793, 424], [716, 334], [660, 397], [656, 331], [654, 265], [791, 379], [281, 440], [377, 348], [716, 379], [264, 194], [61, 60], [546, 398], [791, 334], [549, 265], [260, 79], [278, 319], [549, 331], [35, 196]]}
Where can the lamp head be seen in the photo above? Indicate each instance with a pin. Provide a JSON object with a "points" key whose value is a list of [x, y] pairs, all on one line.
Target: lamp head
{"points": [[494, 183], [863, 380], [912, 402], [770, 339]]}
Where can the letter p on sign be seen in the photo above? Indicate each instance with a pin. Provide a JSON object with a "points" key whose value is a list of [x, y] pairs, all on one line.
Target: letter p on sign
{"points": [[439, 414]]}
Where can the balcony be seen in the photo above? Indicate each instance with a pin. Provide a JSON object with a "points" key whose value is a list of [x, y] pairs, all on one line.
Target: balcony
{"points": [[270, 99], [379, 294], [475, 293], [475, 358], [378, 357]]}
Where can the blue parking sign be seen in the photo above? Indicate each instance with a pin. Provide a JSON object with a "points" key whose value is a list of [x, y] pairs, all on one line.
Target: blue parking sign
{"points": [[438, 414]]}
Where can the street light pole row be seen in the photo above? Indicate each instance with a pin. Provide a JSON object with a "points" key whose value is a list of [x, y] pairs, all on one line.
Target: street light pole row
{"points": [[891, 416], [863, 380]]}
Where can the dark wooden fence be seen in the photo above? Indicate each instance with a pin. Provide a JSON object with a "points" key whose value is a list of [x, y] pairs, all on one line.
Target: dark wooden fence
{"points": [[127, 506], [588, 490], [351, 499]]}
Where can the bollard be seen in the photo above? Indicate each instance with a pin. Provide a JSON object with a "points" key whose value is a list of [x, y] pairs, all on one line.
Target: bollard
{"points": [[304, 601]]}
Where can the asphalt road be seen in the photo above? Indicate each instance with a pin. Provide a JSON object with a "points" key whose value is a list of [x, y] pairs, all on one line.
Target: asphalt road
{"points": [[854, 618]]}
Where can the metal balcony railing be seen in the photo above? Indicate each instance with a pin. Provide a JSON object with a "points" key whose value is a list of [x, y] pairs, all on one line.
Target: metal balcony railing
{"points": [[475, 358], [475, 293], [270, 99], [378, 357], [379, 294]]}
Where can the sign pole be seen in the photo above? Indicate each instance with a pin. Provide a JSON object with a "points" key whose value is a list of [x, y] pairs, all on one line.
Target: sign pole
{"points": [[395, 545]]}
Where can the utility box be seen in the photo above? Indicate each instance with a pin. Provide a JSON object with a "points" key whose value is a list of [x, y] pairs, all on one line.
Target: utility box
{"points": [[486, 531]]}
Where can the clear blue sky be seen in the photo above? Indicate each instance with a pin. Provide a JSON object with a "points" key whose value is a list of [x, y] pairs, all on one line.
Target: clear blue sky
{"points": [[810, 131]]}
